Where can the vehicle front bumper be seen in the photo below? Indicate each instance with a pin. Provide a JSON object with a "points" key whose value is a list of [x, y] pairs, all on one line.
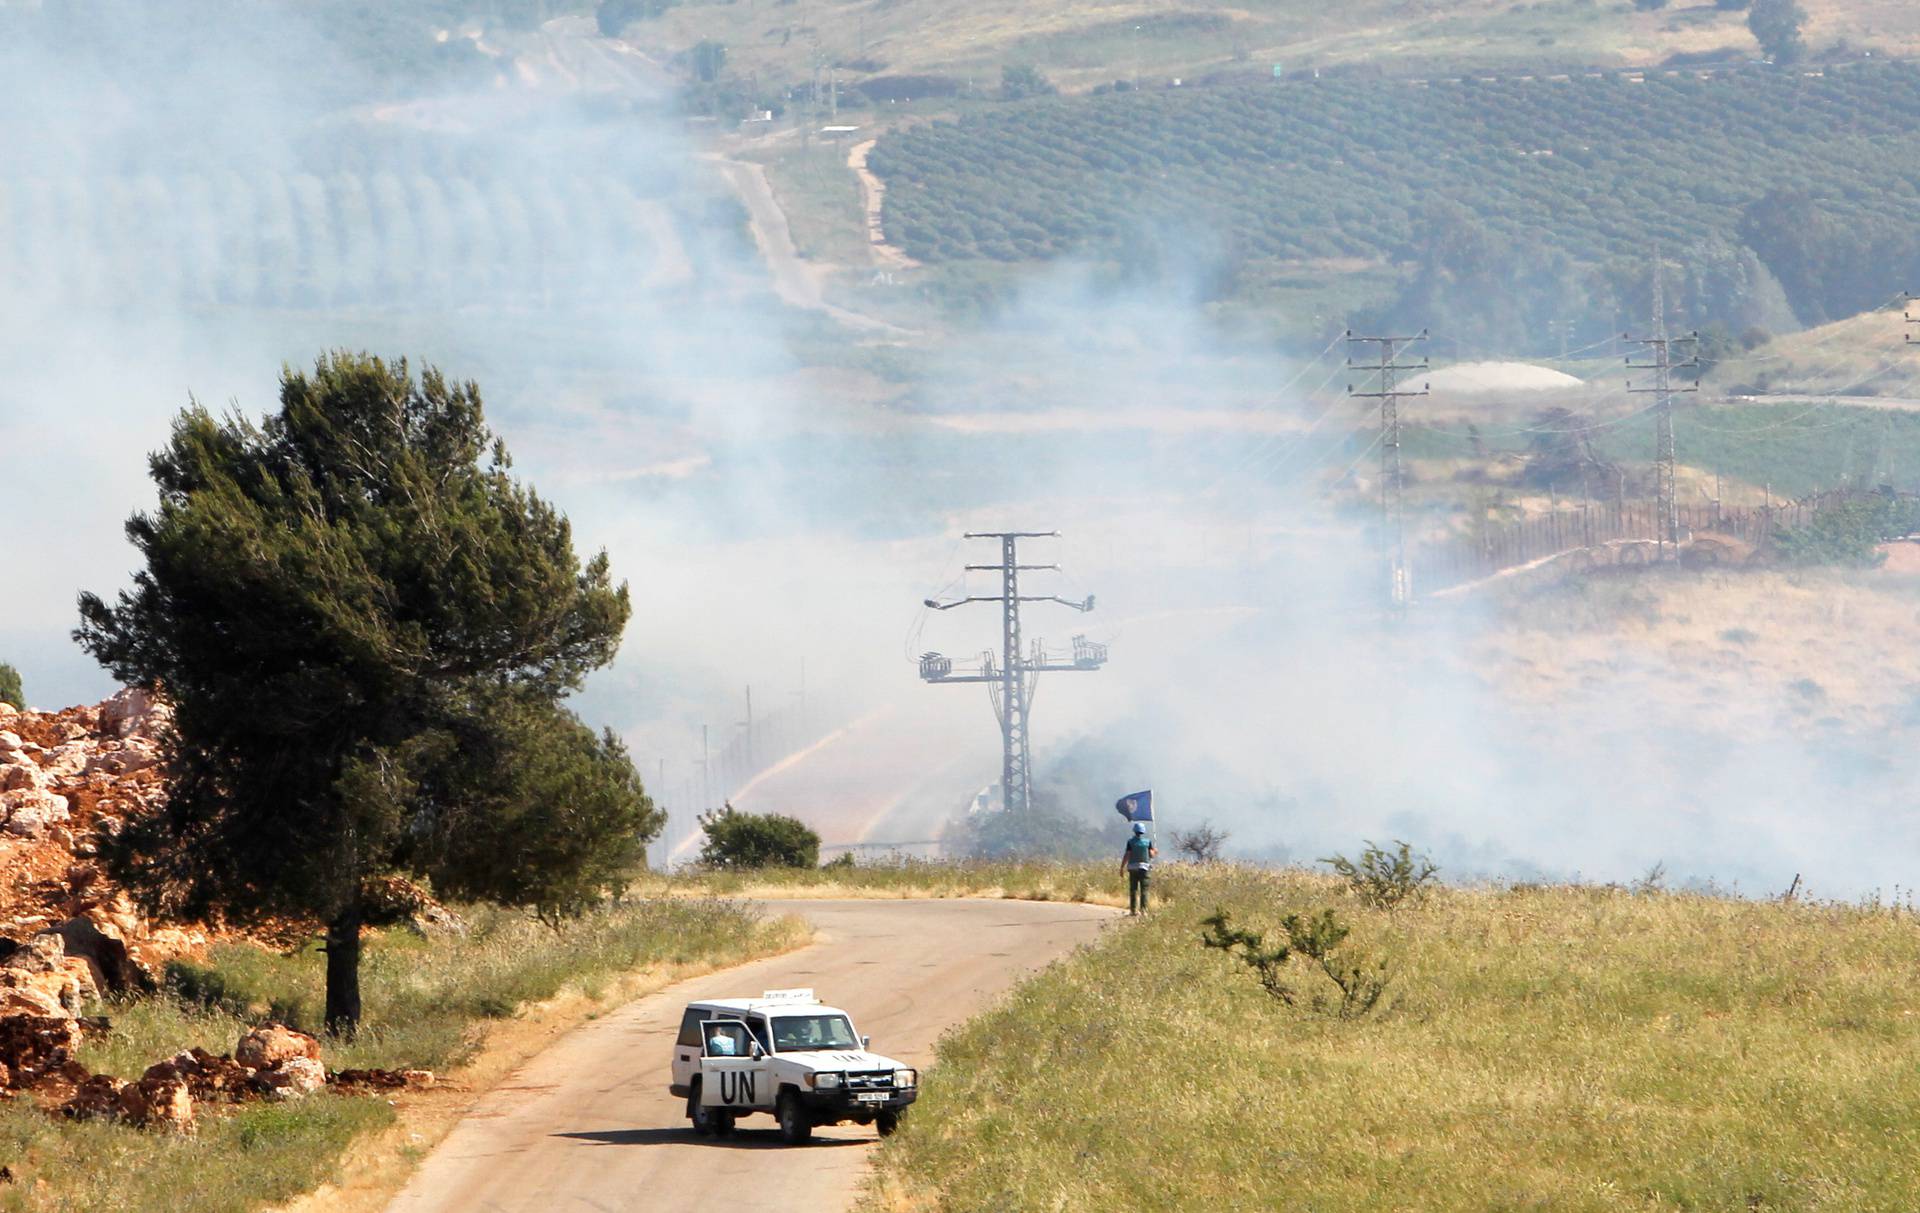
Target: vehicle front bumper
{"points": [[843, 1104]]}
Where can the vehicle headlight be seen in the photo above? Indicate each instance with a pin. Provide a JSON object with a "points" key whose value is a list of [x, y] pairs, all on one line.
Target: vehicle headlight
{"points": [[905, 1078], [826, 1081]]}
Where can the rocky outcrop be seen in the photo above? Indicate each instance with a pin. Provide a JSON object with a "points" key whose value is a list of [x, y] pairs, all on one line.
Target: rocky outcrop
{"points": [[68, 783], [159, 1100], [271, 1044]]}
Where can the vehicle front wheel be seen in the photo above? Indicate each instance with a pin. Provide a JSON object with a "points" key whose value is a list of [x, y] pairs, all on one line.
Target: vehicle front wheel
{"points": [[887, 1122], [796, 1128], [703, 1119]]}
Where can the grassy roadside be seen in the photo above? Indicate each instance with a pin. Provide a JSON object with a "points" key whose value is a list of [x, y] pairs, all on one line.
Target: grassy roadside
{"points": [[467, 1005], [1091, 882], [1566, 1048]]}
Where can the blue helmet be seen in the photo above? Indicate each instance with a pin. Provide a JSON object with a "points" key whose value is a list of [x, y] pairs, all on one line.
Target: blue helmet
{"points": [[1139, 827]]}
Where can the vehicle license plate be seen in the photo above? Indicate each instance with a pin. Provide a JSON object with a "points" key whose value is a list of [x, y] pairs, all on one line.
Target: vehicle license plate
{"points": [[872, 1097]]}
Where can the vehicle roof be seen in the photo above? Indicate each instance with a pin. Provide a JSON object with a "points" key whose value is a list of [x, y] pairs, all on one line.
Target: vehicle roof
{"points": [[766, 1004]]}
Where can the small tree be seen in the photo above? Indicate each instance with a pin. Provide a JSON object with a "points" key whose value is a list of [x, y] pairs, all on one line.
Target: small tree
{"points": [[1022, 80], [1317, 939], [757, 840], [1848, 534], [10, 689], [1776, 26], [1385, 879], [1201, 844], [365, 625]]}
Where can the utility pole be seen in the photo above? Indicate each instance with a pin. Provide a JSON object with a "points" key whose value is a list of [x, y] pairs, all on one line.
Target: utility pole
{"points": [[1010, 682], [1666, 466], [1393, 505]]}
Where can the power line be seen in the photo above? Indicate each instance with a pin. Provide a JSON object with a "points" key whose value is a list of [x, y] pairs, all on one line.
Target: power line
{"points": [[1011, 682]]}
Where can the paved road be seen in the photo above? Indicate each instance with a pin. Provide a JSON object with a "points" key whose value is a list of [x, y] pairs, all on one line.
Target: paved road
{"points": [[588, 1125]]}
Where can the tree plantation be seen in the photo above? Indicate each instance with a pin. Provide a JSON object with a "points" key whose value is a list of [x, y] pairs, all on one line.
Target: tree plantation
{"points": [[1815, 173]]}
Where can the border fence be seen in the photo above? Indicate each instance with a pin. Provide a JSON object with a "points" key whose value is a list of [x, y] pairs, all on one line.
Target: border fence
{"points": [[1615, 533]]}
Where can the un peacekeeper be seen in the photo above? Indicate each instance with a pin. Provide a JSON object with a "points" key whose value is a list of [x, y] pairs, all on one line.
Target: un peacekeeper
{"points": [[1136, 861]]}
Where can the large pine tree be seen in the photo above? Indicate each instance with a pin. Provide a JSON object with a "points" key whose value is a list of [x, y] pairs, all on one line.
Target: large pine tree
{"points": [[366, 625]]}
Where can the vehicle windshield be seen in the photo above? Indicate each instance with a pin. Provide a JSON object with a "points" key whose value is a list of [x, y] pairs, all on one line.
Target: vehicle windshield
{"points": [[796, 1033]]}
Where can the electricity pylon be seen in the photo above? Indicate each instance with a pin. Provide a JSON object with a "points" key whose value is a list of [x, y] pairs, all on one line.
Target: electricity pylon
{"points": [[1666, 463], [1010, 682], [1393, 505]]}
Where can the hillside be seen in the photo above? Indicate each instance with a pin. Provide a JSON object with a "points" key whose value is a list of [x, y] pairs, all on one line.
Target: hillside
{"points": [[1538, 1047], [1510, 195], [1083, 43], [1862, 356]]}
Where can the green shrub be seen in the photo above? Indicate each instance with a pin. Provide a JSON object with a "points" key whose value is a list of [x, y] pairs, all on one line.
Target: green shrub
{"points": [[10, 689], [1385, 879], [1042, 832], [1848, 535], [1316, 938], [757, 840]]}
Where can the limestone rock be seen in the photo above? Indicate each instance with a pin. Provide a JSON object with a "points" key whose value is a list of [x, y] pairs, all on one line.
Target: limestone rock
{"points": [[123, 758], [33, 1046], [52, 994], [28, 812], [294, 1078], [133, 712], [105, 949], [21, 776], [212, 1078], [159, 1100], [270, 1044], [98, 1098], [40, 954]]}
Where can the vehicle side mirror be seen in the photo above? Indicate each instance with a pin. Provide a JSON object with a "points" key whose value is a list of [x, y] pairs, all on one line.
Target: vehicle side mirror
{"points": [[866, 1042], [756, 1050]]}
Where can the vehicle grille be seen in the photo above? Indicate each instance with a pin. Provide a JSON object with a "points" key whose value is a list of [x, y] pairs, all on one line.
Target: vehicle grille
{"points": [[870, 1080]]}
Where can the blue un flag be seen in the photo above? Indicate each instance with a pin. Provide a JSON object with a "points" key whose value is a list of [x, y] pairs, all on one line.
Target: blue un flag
{"points": [[1135, 806]]}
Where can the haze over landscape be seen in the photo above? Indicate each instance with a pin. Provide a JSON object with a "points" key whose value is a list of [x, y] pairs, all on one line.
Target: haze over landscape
{"points": [[1487, 430]]}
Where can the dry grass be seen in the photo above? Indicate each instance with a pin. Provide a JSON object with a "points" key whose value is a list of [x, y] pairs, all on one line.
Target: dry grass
{"points": [[1081, 43], [431, 1003], [1736, 652], [1024, 880], [1861, 354], [1559, 1048]]}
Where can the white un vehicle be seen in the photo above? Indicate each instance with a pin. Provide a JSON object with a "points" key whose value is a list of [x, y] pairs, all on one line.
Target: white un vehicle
{"points": [[785, 1054]]}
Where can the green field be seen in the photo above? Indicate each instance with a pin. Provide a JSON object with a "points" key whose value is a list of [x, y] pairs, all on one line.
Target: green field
{"points": [[1563, 1048], [1596, 166], [1798, 448]]}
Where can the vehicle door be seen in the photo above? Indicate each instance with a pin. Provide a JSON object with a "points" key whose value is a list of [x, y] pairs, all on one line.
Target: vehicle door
{"points": [[733, 1067], [686, 1046]]}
